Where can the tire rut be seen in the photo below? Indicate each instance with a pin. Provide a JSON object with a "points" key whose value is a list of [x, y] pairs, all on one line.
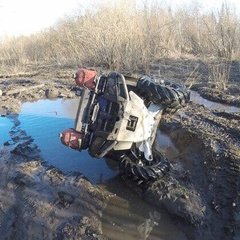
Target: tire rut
{"points": [[220, 126], [220, 134]]}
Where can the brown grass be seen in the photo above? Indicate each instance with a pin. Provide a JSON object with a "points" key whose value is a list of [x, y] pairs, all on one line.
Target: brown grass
{"points": [[123, 37]]}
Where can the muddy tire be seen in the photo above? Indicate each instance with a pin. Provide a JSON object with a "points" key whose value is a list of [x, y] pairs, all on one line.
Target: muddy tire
{"points": [[146, 171], [170, 96]]}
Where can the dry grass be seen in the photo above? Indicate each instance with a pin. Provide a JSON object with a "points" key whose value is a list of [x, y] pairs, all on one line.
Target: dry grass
{"points": [[124, 37]]}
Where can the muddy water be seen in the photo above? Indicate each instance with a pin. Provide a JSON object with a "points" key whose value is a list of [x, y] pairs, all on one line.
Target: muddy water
{"points": [[166, 145], [129, 217], [164, 141], [196, 98], [126, 215], [5, 126], [43, 120]]}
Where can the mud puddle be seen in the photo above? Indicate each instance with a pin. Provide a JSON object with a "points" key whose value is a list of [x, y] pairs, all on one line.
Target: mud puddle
{"points": [[43, 120], [165, 145], [196, 98], [5, 126], [164, 142], [127, 216]]}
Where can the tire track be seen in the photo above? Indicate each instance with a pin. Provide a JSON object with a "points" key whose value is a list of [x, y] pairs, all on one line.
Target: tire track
{"points": [[217, 175]]}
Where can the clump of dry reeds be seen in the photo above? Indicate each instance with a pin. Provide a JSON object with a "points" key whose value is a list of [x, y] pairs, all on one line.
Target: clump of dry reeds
{"points": [[124, 36]]}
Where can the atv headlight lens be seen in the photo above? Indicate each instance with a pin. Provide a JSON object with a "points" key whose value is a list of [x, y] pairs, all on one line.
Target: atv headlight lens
{"points": [[71, 138]]}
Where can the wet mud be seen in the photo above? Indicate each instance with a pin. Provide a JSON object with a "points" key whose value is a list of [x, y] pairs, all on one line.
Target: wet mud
{"points": [[39, 201], [202, 190], [209, 152]]}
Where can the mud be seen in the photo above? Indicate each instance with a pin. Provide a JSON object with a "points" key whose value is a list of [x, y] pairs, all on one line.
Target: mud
{"points": [[208, 145], [17, 91], [40, 202]]}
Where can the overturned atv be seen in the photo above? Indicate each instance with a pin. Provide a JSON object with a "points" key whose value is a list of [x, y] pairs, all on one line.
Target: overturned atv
{"points": [[118, 118]]}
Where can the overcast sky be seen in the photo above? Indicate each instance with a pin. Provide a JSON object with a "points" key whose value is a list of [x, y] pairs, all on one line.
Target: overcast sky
{"points": [[23, 17]]}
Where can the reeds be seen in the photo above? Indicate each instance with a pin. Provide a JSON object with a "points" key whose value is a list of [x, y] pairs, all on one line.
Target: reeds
{"points": [[125, 37]]}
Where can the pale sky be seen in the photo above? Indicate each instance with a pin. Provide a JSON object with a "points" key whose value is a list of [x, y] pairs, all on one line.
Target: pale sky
{"points": [[23, 17]]}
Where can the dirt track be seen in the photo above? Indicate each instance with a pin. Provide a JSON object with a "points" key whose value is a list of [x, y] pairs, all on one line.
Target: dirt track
{"points": [[202, 188]]}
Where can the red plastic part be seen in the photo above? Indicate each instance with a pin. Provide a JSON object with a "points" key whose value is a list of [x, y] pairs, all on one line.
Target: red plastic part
{"points": [[71, 137], [85, 78]]}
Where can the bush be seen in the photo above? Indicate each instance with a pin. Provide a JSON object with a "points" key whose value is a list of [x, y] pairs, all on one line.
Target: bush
{"points": [[122, 36]]}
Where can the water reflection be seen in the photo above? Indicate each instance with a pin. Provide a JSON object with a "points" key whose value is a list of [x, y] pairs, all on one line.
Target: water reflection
{"points": [[58, 108], [5, 126], [196, 98], [127, 216], [165, 145], [147, 226], [43, 120]]}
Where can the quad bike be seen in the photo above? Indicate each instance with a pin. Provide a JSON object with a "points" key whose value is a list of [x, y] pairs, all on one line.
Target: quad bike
{"points": [[118, 118]]}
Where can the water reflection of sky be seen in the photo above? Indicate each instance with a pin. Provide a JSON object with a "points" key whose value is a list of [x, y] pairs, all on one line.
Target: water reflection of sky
{"points": [[59, 108], [196, 98], [126, 214], [44, 120], [5, 126]]}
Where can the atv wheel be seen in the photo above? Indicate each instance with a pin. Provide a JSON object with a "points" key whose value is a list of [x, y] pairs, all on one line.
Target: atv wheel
{"points": [[171, 96], [146, 171]]}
